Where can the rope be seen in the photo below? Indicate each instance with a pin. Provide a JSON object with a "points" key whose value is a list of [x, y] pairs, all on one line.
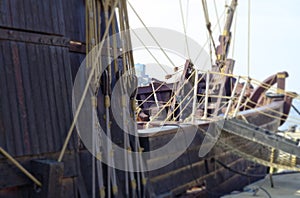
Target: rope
{"points": [[208, 25], [86, 88], [127, 151], [272, 116], [184, 29], [234, 30], [147, 29], [236, 171], [185, 106], [187, 14], [20, 167], [207, 41], [217, 96], [278, 90], [148, 50], [249, 31], [244, 77], [130, 53], [170, 100], [218, 22], [259, 83], [296, 109], [146, 100]]}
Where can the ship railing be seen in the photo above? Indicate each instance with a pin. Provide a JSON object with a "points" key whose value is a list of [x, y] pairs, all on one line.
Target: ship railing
{"points": [[232, 106]]}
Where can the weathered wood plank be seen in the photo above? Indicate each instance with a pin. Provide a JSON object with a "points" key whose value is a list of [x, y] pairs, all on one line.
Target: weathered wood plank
{"points": [[57, 94], [37, 96], [11, 176], [68, 94], [24, 58], [44, 9], [60, 17], [65, 101], [74, 18], [24, 133], [38, 16], [35, 38], [3, 12], [5, 122], [220, 176], [28, 15], [46, 132], [69, 187], [75, 61], [50, 174], [14, 135], [19, 192], [52, 114]]}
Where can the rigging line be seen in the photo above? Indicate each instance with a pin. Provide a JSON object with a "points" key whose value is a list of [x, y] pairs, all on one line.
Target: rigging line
{"points": [[130, 54], [270, 109], [187, 14], [174, 95], [148, 50], [268, 87], [185, 99], [184, 29], [201, 104], [123, 38], [181, 110], [20, 167], [255, 82], [271, 116], [208, 24], [152, 36], [86, 88], [207, 41], [146, 100], [259, 83], [210, 52], [234, 32], [176, 92], [249, 31], [169, 116], [236, 171], [226, 6], [291, 118], [218, 22], [296, 109]]}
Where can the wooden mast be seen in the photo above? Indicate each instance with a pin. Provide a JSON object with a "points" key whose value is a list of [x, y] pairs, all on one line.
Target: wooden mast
{"points": [[225, 38]]}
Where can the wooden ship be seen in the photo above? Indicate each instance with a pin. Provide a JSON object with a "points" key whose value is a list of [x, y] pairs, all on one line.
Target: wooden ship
{"points": [[43, 44]]}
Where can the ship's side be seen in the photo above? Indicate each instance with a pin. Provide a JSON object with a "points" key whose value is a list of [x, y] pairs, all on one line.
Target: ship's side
{"points": [[219, 172], [37, 65], [42, 45]]}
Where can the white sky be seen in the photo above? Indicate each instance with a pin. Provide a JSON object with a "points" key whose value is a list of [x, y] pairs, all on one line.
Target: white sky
{"points": [[275, 30]]}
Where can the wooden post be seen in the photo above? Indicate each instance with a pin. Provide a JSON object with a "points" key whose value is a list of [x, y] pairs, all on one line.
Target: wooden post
{"points": [[271, 171], [281, 76], [50, 173]]}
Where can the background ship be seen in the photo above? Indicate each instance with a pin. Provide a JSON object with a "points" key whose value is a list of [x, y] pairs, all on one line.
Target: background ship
{"points": [[43, 45]]}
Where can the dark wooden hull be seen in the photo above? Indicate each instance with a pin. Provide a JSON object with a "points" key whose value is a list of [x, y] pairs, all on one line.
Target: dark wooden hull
{"points": [[190, 170]]}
